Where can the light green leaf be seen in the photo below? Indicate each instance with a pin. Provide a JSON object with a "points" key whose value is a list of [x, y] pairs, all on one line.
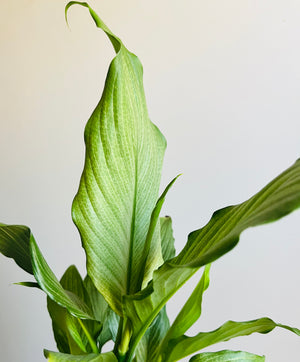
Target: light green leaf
{"points": [[220, 235], [167, 239], [190, 312], [52, 287], [120, 181], [62, 357], [184, 345], [14, 243], [227, 356], [152, 227]]}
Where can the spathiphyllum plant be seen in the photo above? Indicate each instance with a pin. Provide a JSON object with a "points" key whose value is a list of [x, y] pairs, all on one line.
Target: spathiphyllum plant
{"points": [[132, 269]]}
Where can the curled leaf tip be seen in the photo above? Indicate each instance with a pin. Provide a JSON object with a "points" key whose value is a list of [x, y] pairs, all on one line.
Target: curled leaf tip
{"points": [[116, 42]]}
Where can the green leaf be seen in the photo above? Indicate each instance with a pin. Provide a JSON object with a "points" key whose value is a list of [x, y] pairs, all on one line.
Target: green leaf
{"points": [[152, 227], [69, 332], [167, 239], [120, 181], [28, 284], [103, 313], [227, 356], [17, 242], [220, 235], [190, 312], [14, 243], [63, 357], [148, 347], [52, 287], [184, 345]]}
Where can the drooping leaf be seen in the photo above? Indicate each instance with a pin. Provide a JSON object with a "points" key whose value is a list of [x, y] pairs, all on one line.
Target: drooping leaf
{"points": [[63, 357], [14, 243], [227, 356], [17, 242], [189, 313], [220, 235], [120, 181], [52, 287], [167, 239], [183, 346]]}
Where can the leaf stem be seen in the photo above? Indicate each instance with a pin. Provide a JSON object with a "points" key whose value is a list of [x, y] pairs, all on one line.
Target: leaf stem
{"points": [[126, 336], [119, 336], [89, 337]]}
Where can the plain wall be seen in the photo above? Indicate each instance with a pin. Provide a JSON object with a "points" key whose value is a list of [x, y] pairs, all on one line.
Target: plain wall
{"points": [[222, 81]]}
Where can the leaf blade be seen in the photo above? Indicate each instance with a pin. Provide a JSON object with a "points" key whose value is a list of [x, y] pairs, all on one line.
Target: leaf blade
{"points": [[63, 357], [167, 238], [120, 181], [280, 197], [184, 346], [52, 287], [227, 356], [14, 243]]}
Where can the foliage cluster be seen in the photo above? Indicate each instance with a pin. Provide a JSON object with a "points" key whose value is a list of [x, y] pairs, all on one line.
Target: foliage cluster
{"points": [[132, 270]]}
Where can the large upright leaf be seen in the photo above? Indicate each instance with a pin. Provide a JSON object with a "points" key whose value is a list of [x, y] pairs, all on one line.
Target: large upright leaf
{"points": [[220, 235], [120, 181]]}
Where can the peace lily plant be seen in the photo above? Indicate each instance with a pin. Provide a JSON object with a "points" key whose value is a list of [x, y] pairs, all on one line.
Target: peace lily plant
{"points": [[132, 270]]}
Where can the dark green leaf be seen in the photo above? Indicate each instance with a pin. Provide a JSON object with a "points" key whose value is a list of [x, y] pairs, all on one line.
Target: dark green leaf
{"points": [[28, 284], [120, 181], [227, 356], [148, 347], [14, 243], [184, 345]]}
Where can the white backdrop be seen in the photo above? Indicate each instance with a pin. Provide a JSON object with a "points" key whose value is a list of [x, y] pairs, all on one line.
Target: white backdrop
{"points": [[222, 80]]}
